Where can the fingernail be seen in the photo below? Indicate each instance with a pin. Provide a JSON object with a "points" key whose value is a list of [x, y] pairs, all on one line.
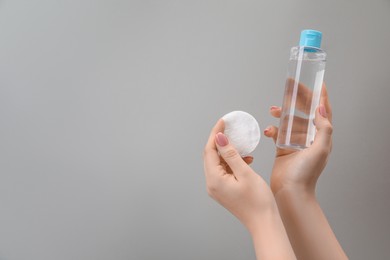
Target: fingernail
{"points": [[274, 107], [221, 139], [267, 130], [323, 111]]}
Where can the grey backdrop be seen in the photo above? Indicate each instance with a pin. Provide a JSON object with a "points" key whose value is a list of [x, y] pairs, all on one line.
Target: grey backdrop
{"points": [[105, 107]]}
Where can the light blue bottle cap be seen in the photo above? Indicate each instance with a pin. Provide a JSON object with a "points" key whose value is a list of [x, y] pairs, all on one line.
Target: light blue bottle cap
{"points": [[311, 38]]}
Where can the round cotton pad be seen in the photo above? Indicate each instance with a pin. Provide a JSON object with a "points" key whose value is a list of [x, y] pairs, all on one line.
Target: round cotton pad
{"points": [[242, 130]]}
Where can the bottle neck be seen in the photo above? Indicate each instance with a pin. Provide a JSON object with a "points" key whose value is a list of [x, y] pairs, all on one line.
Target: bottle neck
{"points": [[307, 53]]}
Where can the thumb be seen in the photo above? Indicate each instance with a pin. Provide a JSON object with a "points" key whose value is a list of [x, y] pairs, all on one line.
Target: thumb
{"points": [[323, 137], [230, 155]]}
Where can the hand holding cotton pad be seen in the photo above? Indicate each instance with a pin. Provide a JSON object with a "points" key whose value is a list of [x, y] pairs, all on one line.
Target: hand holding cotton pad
{"points": [[242, 130]]}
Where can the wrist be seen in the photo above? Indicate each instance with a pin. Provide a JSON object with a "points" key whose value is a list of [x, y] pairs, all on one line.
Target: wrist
{"points": [[293, 188], [262, 220], [295, 194], [270, 238]]}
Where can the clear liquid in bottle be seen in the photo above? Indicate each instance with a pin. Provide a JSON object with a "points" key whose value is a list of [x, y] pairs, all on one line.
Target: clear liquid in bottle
{"points": [[305, 76]]}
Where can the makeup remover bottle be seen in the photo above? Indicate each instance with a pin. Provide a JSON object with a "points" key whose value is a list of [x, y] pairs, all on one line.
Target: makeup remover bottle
{"points": [[305, 76]]}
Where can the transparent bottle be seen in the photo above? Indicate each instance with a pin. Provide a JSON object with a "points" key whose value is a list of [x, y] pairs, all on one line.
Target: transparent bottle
{"points": [[305, 76]]}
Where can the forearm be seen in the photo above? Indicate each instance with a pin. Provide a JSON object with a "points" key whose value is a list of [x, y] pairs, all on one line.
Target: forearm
{"points": [[307, 227], [270, 239]]}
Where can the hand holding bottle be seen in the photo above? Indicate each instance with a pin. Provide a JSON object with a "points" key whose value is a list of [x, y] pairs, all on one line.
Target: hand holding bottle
{"points": [[300, 169], [293, 182]]}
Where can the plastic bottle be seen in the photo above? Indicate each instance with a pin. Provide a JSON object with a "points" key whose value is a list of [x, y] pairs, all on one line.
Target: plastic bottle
{"points": [[305, 76]]}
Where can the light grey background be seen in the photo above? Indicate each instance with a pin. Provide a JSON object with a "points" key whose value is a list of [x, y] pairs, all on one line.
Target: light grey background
{"points": [[105, 107]]}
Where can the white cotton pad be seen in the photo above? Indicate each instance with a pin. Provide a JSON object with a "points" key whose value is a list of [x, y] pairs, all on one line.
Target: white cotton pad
{"points": [[242, 130]]}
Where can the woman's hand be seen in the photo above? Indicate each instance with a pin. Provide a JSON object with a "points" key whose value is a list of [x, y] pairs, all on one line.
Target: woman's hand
{"points": [[299, 170], [232, 182], [293, 181]]}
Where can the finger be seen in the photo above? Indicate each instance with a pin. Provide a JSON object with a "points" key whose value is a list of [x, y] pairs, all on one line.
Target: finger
{"points": [[324, 100], [298, 124], [231, 156], [323, 139], [210, 154], [271, 131], [296, 96], [248, 159], [275, 111]]}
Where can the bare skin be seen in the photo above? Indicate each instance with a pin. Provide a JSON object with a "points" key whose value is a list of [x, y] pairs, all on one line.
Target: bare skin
{"points": [[291, 199], [233, 184], [293, 182]]}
